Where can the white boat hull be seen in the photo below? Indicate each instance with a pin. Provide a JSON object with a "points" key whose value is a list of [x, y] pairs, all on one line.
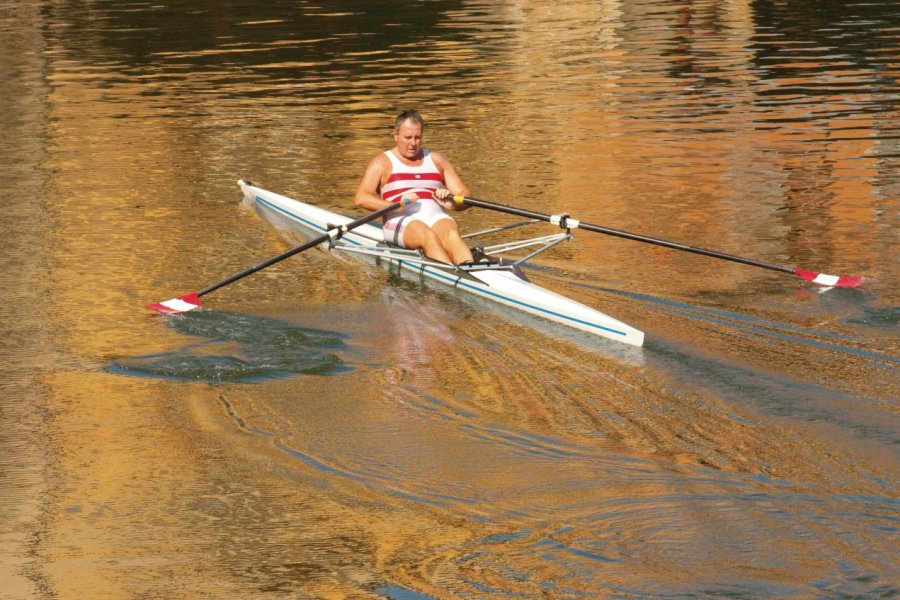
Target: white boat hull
{"points": [[502, 286]]}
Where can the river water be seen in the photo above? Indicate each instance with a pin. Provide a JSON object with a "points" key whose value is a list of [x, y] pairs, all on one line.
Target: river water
{"points": [[325, 430]]}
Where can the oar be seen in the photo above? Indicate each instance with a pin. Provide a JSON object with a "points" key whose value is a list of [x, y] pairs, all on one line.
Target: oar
{"points": [[567, 222], [192, 300]]}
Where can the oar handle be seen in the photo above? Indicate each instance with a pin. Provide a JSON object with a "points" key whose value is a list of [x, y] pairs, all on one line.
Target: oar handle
{"points": [[564, 221], [331, 234]]}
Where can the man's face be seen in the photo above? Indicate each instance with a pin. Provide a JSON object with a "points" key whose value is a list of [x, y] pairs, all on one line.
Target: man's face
{"points": [[409, 139]]}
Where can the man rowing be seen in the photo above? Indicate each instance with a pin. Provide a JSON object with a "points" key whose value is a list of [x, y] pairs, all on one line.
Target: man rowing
{"points": [[422, 180]]}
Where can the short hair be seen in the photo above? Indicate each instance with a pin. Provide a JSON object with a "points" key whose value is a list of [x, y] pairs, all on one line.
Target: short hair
{"points": [[409, 115]]}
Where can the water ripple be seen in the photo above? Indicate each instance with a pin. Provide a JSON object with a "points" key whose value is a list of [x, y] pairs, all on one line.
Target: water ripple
{"points": [[258, 348]]}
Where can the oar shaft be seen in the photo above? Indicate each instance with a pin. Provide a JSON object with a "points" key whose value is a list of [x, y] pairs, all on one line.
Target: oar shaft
{"points": [[331, 234], [264, 264], [685, 247], [623, 234]]}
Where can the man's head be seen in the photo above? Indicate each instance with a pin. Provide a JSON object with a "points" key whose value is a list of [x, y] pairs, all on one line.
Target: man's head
{"points": [[408, 134], [409, 115]]}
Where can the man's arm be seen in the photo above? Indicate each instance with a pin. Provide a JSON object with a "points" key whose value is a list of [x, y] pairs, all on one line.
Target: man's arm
{"points": [[452, 181], [367, 193]]}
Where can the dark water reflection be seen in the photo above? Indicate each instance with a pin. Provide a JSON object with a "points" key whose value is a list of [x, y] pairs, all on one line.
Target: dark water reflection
{"points": [[234, 347], [453, 450]]}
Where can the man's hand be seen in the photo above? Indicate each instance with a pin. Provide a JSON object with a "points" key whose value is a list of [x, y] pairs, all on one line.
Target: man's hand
{"points": [[441, 196], [408, 198]]}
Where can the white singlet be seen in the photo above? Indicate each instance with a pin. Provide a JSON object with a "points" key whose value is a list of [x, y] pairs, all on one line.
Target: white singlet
{"points": [[422, 180]]}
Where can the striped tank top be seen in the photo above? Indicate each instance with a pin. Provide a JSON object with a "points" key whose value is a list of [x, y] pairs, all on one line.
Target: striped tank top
{"points": [[422, 180]]}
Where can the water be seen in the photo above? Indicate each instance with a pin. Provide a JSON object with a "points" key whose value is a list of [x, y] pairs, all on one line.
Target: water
{"points": [[327, 430]]}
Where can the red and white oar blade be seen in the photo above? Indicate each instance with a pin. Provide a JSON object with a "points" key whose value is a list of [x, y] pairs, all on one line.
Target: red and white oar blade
{"points": [[177, 305], [829, 280]]}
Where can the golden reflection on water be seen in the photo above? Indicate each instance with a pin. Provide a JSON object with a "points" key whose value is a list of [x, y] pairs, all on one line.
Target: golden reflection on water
{"points": [[464, 452]]}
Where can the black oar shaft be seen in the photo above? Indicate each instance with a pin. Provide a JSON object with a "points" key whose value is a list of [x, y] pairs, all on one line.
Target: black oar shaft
{"points": [[336, 232], [624, 234], [685, 247]]}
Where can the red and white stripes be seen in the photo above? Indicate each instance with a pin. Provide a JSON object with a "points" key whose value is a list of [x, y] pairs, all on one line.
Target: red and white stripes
{"points": [[829, 280], [177, 305]]}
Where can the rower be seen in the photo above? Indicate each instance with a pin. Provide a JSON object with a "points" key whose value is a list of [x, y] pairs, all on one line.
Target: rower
{"points": [[424, 181]]}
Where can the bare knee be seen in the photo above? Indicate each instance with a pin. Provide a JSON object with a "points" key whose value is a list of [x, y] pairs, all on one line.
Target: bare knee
{"points": [[430, 237], [419, 236], [452, 242], [432, 243]]}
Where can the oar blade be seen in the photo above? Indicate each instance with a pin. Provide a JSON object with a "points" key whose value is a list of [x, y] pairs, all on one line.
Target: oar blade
{"points": [[176, 306], [829, 280]]}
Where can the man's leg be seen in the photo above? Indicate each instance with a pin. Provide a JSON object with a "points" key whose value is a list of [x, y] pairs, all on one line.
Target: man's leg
{"points": [[418, 236], [450, 240]]}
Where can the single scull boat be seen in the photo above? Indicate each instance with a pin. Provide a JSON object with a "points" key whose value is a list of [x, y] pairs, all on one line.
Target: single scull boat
{"points": [[501, 282]]}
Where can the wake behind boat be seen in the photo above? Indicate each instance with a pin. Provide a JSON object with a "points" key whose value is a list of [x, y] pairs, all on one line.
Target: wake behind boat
{"points": [[499, 281]]}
